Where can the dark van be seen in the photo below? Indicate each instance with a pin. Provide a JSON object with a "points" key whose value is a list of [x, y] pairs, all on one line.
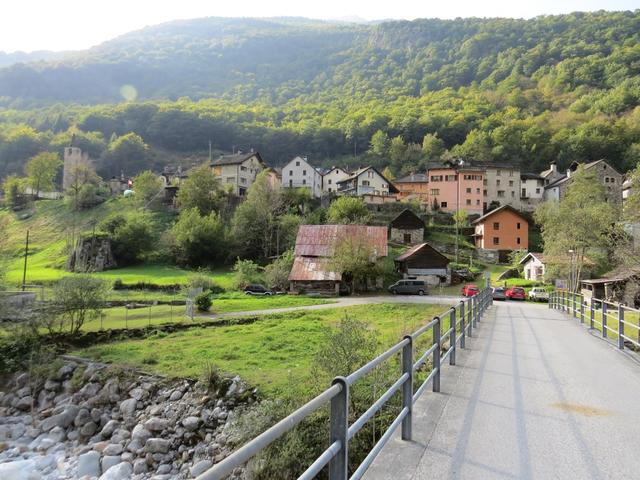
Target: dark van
{"points": [[409, 287]]}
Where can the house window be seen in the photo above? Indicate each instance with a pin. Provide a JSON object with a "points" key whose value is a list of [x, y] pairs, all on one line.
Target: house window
{"points": [[291, 173], [537, 190], [477, 202], [297, 164], [518, 225], [518, 240], [496, 225], [513, 194], [498, 182], [501, 193], [443, 204], [498, 173], [243, 180], [436, 178], [243, 168], [484, 192], [435, 191], [329, 188], [231, 179], [613, 180], [304, 181], [511, 183], [291, 183], [484, 182], [365, 183], [468, 201], [606, 179], [407, 238], [496, 240], [329, 182], [511, 173], [477, 191], [468, 190], [524, 193]]}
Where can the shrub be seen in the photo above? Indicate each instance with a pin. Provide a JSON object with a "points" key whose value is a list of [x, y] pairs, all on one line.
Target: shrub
{"points": [[277, 273], [76, 299], [131, 237], [201, 280], [246, 272], [203, 302]]}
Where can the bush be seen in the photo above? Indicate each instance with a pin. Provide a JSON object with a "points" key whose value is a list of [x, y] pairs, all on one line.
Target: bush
{"points": [[77, 299], [277, 273], [131, 237], [203, 302], [201, 280], [247, 272]]}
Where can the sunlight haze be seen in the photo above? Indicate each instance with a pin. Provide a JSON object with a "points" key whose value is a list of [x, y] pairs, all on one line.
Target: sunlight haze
{"points": [[76, 24]]}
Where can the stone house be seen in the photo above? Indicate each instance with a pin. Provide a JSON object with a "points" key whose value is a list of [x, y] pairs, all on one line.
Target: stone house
{"points": [[407, 228], [531, 191], [299, 173], [501, 185], [426, 263], [238, 171], [611, 179]]}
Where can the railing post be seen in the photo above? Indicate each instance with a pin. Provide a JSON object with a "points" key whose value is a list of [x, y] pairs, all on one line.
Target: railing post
{"points": [[469, 319], [463, 329], [407, 387], [452, 337], [339, 430], [474, 303], [620, 327], [574, 298], [592, 313], [436, 355], [604, 319], [582, 309]]}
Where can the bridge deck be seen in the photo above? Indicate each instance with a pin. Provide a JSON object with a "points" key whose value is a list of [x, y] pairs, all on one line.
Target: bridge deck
{"points": [[533, 396]]}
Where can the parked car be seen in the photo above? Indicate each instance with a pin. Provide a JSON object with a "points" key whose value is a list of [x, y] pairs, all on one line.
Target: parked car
{"points": [[469, 290], [409, 287], [499, 293], [256, 289], [516, 293], [538, 294]]}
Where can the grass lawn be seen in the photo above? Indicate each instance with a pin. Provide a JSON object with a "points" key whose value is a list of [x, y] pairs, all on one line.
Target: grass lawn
{"points": [[121, 317], [274, 353]]}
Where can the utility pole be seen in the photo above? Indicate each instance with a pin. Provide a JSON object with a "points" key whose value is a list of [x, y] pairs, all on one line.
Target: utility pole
{"points": [[26, 254]]}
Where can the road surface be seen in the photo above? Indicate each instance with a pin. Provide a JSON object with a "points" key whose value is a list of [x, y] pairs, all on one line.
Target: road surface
{"points": [[534, 396]]}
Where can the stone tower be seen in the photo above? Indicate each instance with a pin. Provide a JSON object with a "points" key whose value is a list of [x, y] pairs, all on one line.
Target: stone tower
{"points": [[73, 158]]}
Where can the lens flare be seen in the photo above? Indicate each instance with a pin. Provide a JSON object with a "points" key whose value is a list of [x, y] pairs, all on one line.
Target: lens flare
{"points": [[129, 92]]}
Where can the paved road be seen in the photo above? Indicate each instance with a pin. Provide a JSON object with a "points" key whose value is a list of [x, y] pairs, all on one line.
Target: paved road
{"points": [[345, 302], [535, 396]]}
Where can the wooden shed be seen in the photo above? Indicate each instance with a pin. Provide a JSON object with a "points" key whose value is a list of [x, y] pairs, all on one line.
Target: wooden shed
{"points": [[425, 263], [407, 228]]}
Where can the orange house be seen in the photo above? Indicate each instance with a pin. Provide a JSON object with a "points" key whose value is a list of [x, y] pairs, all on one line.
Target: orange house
{"points": [[454, 189], [413, 187], [502, 229]]}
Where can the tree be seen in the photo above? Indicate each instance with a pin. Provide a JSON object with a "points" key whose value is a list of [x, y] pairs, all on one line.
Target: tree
{"points": [[277, 272], [131, 237], [356, 260], [14, 191], [41, 171], [348, 210], [76, 299], [578, 223], [460, 218], [83, 190], [257, 221], [379, 144], [432, 146], [246, 272], [388, 174], [200, 190], [146, 185], [197, 239], [128, 152], [397, 151]]}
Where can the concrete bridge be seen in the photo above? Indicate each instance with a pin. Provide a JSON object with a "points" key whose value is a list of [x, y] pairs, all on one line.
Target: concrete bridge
{"points": [[533, 395]]}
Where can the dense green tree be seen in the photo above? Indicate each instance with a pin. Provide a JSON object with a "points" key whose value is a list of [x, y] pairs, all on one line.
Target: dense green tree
{"points": [[201, 190], [348, 210], [132, 237], [198, 240], [41, 171], [147, 186], [127, 153], [379, 144]]}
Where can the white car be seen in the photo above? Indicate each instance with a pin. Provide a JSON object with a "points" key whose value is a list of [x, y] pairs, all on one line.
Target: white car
{"points": [[538, 294]]}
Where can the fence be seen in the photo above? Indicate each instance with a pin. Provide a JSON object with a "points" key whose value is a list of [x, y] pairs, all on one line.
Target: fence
{"points": [[600, 315], [462, 319]]}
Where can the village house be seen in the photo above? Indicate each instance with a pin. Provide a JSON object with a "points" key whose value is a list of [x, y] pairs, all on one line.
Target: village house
{"points": [[501, 231], [531, 191], [610, 178], [414, 187], [501, 186], [424, 262], [366, 181], [331, 178], [299, 173], [316, 245], [238, 170], [407, 228], [620, 285], [551, 174], [453, 188], [533, 266]]}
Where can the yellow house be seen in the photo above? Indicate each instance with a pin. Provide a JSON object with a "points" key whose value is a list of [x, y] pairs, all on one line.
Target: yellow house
{"points": [[238, 170]]}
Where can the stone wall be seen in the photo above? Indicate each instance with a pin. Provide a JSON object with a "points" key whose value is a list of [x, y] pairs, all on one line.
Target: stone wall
{"points": [[91, 421], [417, 235]]}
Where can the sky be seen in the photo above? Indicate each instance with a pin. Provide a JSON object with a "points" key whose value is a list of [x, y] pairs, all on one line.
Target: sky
{"points": [[28, 25]]}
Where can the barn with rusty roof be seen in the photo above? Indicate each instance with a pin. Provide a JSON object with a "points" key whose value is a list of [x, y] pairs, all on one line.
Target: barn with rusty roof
{"points": [[312, 270]]}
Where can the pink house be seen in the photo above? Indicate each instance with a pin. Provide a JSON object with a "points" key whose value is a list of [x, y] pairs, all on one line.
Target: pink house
{"points": [[456, 188]]}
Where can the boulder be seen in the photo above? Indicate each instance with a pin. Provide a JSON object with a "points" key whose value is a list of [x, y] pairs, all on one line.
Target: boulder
{"points": [[18, 470], [121, 471], [128, 407], [156, 424], [24, 403], [113, 449], [89, 464], [157, 445], [109, 461]]}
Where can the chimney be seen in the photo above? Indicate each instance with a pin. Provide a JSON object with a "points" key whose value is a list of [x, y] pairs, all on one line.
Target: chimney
{"points": [[568, 172], [553, 167]]}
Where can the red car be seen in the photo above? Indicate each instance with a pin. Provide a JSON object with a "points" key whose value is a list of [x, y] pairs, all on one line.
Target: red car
{"points": [[470, 290], [516, 293]]}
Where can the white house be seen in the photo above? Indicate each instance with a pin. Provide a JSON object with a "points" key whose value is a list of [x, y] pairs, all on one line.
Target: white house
{"points": [[366, 181], [531, 191], [534, 267], [331, 178], [299, 173]]}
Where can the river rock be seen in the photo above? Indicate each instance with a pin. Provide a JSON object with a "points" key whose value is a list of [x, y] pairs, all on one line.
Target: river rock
{"points": [[157, 445], [89, 464], [113, 449], [109, 428], [121, 471], [128, 406], [109, 461], [140, 466], [191, 423], [156, 424]]}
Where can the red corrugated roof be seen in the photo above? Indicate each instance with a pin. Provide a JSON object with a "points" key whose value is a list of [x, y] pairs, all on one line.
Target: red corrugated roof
{"points": [[321, 240], [312, 269]]}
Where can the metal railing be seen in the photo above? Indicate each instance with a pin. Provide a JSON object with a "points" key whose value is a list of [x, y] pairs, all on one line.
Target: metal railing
{"points": [[612, 319], [463, 318]]}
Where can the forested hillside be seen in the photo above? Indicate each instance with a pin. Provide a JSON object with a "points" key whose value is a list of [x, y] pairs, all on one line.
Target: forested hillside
{"points": [[399, 93]]}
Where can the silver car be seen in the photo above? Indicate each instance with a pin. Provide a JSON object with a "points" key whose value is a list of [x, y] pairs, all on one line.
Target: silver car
{"points": [[499, 293], [409, 287]]}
